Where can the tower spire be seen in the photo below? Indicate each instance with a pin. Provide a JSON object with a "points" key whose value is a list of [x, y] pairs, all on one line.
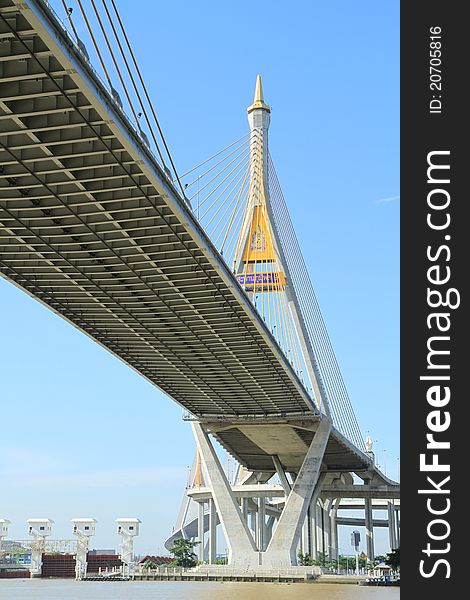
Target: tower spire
{"points": [[256, 261], [258, 90], [258, 100]]}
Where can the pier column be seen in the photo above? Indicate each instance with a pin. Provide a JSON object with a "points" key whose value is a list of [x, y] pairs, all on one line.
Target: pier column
{"points": [[334, 529], [327, 527], [212, 532], [200, 531], [313, 517], [244, 507], [369, 529], [313, 530], [397, 525], [319, 528], [253, 522], [269, 529], [261, 529], [392, 525], [303, 542], [306, 534]]}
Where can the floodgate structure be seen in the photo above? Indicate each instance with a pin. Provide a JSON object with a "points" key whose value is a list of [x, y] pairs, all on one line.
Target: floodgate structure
{"points": [[196, 281]]}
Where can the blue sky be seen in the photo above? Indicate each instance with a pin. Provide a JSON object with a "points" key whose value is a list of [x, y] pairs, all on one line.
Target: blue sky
{"points": [[82, 434]]}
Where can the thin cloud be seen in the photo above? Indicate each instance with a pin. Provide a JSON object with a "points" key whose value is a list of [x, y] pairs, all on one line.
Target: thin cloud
{"points": [[385, 200]]}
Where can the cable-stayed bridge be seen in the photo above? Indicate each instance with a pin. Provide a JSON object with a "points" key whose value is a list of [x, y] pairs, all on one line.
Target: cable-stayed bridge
{"points": [[198, 285]]}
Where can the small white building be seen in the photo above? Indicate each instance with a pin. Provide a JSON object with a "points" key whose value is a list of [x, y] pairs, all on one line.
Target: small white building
{"points": [[381, 570], [40, 527], [4, 523], [128, 526], [84, 526]]}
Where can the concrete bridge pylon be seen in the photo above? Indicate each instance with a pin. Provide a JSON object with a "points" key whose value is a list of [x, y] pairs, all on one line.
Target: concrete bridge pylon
{"points": [[281, 550]]}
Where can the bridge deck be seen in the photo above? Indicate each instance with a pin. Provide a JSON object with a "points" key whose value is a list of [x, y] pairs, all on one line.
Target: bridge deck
{"points": [[92, 227], [254, 445]]}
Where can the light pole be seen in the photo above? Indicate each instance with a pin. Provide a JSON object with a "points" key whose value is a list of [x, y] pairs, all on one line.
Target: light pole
{"points": [[355, 541]]}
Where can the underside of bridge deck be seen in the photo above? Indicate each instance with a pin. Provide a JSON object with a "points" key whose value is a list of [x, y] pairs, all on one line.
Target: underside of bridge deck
{"points": [[254, 445], [92, 226]]}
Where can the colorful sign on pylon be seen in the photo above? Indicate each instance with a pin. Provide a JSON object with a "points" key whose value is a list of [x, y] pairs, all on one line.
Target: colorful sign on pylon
{"points": [[259, 245], [262, 282]]}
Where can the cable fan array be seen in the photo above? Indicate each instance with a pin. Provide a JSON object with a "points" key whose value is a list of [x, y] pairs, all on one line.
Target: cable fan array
{"points": [[340, 405], [217, 189], [227, 195], [98, 23]]}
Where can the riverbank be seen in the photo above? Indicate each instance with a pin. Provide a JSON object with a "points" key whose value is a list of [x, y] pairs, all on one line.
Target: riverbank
{"points": [[50, 589]]}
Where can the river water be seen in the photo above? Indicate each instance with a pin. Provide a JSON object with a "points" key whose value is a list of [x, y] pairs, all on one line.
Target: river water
{"points": [[37, 589]]}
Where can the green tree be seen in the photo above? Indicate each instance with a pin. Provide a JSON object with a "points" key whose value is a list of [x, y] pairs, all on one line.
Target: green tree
{"points": [[322, 559], [149, 564], [363, 560], [182, 550], [346, 562], [393, 559], [305, 560]]}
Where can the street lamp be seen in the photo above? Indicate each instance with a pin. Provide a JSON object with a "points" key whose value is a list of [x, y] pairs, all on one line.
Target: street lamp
{"points": [[355, 541]]}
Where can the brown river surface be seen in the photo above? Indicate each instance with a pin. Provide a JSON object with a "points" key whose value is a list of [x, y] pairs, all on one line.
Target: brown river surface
{"points": [[37, 589]]}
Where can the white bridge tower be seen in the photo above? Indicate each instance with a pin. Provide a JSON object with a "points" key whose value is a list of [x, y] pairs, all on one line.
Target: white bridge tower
{"points": [[4, 523], [128, 529], [39, 529], [84, 529]]}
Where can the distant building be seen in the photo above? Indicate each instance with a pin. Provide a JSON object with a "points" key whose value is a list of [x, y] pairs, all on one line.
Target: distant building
{"points": [[382, 570], [157, 560]]}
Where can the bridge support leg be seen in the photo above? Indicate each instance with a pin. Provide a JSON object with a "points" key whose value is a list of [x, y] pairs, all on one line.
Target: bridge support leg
{"points": [[304, 537], [245, 509], [313, 529], [269, 529], [253, 523], [327, 527], [319, 521], [261, 537], [200, 531], [391, 525], [240, 545], [397, 524], [281, 551], [334, 530], [369, 529], [212, 532]]}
